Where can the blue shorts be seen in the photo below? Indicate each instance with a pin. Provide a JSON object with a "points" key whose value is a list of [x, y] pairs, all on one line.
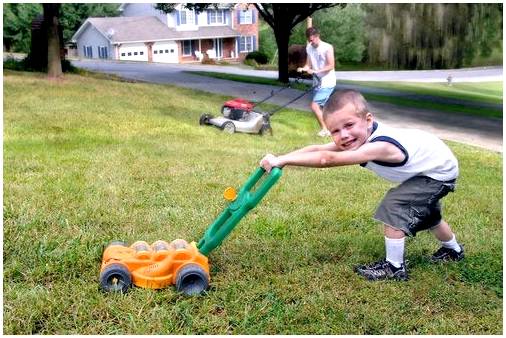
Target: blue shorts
{"points": [[321, 95]]}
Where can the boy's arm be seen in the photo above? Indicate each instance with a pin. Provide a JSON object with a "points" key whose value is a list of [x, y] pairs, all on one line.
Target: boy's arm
{"points": [[381, 151], [317, 147]]}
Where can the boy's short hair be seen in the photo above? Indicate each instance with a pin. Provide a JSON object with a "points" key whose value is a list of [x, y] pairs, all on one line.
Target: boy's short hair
{"points": [[312, 31], [340, 98]]}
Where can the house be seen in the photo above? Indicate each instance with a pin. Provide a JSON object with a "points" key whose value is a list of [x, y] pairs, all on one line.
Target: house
{"points": [[143, 33]]}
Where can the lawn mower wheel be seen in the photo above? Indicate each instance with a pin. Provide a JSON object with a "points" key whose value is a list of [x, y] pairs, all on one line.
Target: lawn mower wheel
{"points": [[228, 127], [204, 119]]}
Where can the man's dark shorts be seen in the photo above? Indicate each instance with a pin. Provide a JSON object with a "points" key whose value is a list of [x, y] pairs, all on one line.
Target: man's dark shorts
{"points": [[414, 205]]}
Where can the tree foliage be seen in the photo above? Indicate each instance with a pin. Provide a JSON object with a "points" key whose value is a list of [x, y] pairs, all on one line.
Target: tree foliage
{"points": [[342, 27], [282, 18], [17, 25], [73, 15], [18, 18], [198, 7], [426, 36]]}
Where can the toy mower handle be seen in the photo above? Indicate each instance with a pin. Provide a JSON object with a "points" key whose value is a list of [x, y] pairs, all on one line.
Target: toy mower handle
{"points": [[242, 204]]}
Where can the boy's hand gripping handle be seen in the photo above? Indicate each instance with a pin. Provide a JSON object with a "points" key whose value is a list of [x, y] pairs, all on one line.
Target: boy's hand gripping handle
{"points": [[245, 201]]}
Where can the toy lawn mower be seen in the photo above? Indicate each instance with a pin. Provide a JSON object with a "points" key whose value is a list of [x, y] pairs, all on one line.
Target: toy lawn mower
{"points": [[239, 115], [181, 263]]}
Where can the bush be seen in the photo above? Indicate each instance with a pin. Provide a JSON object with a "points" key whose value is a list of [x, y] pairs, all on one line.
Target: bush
{"points": [[250, 62], [259, 57], [26, 66]]}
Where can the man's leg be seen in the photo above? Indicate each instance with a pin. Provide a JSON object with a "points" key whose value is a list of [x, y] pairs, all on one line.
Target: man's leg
{"points": [[317, 110]]}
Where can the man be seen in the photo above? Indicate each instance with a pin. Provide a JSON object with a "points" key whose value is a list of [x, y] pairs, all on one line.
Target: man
{"points": [[320, 61]]}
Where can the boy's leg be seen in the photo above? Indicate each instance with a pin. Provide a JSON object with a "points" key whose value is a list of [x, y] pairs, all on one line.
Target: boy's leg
{"points": [[393, 266], [450, 248], [442, 231], [394, 245]]}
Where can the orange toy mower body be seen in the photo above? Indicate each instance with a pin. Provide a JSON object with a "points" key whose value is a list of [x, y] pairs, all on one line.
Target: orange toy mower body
{"points": [[154, 266], [181, 263]]}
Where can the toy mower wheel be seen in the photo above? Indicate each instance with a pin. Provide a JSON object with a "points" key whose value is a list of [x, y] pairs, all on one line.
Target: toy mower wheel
{"points": [[228, 127], [191, 280], [204, 119], [115, 278]]}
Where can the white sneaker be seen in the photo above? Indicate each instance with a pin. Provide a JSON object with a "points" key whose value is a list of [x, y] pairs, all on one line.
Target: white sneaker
{"points": [[324, 133]]}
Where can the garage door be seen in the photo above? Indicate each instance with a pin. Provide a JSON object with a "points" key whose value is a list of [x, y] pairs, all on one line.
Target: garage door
{"points": [[165, 52], [133, 52]]}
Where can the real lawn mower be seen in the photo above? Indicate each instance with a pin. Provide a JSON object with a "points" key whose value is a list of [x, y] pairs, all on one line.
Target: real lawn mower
{"points": [[181, 263], [241, 115]]}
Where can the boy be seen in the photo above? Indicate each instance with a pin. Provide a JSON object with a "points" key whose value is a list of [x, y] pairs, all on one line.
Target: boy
{"points": [[423, 165], [320, 61]]}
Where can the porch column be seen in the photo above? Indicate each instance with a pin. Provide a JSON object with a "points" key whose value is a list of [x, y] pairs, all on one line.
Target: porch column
{"points": [[150, 50], [116, 51]]}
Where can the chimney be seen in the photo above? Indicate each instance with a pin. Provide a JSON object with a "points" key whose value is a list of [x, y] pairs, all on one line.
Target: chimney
{"points": [[309, 22]]}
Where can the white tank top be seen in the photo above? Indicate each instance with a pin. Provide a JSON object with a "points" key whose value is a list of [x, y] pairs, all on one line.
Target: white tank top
{"points": [[318, 57], [426, 155]]}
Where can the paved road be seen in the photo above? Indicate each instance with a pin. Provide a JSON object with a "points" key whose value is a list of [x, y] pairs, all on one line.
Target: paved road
{"points": [[482, 132]]}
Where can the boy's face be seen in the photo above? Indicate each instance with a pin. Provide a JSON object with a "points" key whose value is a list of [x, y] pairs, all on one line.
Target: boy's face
{"points": [[349, 130]]}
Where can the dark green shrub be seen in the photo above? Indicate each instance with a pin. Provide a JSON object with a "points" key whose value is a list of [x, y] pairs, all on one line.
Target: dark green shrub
{"points": [[259, 57], [26, 66]]}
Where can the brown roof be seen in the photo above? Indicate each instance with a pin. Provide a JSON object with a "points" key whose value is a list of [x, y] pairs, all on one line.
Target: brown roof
{"points": [[149, 28]]}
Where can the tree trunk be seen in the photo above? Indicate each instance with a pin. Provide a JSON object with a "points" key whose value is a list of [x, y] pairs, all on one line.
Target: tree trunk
{"points": [[51, 17], [282, 35], [282, 59]]}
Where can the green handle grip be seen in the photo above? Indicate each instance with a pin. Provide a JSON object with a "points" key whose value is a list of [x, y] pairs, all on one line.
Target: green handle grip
{"points": [[245, 201]]}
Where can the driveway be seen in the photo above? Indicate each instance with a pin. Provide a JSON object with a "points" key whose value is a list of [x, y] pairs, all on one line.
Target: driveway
{"points": [[481, 132]]}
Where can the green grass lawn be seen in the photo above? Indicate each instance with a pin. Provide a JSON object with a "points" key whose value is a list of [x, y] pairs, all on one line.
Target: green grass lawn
{"points": [[486, 92], [88, 160]]}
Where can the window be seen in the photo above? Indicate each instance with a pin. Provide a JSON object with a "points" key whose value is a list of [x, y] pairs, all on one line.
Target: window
{"points": [[186, 17], [102, 52], [187, 47], [245, 17], [172, 50], [166, 51], [88, 52], [246, 43], [135, 53], [141, 53], [123, 54], [216, 16], [129, 54], [160, 51], [155, 52]]}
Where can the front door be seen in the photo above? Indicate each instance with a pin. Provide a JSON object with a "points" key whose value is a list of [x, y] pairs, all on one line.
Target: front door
{"points": [[218, 47]]}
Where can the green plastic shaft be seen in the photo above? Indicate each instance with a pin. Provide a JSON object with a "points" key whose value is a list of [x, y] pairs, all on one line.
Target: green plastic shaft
{"points": [[245, 201]]}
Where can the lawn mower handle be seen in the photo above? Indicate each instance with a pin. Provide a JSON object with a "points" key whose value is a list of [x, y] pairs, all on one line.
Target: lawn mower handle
{"points": [[245, 201], [314, 86]]}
